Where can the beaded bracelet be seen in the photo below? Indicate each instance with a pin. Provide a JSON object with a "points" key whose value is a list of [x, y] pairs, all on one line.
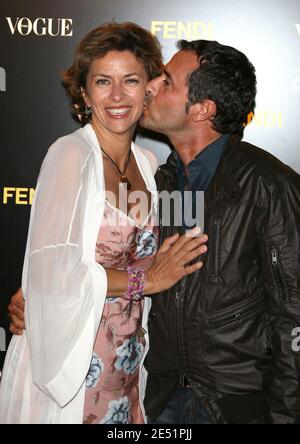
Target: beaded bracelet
{"points": [[135, 289]]}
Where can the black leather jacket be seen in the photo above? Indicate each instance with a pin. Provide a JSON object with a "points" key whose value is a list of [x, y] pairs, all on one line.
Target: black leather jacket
{"points": [[227, 328]]}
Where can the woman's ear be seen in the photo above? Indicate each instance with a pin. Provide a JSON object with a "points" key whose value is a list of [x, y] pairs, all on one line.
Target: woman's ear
{"points": [[203, 111], [85, 96]]}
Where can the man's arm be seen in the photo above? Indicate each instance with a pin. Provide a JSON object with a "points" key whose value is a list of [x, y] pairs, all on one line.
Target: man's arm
{"points": [[279, 228], [169, 265]]}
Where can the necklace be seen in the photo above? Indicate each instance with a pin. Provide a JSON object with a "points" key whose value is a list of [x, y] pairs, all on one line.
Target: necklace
{"points": [[123, 178]]}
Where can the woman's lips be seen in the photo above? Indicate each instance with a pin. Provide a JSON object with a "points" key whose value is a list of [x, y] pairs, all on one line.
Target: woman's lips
{"points": [[118, 112]]}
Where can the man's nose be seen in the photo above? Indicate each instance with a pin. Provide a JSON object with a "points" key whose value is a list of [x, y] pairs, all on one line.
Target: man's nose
{"points": [[153, 85]]}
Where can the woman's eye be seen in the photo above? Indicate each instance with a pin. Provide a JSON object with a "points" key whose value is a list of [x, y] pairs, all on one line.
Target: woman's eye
{"points": [[102, 82], [132, 81]]}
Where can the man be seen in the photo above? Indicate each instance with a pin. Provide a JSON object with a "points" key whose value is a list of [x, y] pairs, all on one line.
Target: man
{"points": [[221, 339]]}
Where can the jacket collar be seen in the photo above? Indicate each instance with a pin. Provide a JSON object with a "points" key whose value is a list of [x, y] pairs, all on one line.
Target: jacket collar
{"points": [[224, 183]]}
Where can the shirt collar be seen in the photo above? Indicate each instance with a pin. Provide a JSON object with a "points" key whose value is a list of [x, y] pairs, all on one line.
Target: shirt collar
{"points": [[201, 169]]}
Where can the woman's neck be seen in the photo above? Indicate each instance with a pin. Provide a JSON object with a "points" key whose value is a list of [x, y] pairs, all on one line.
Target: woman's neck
{"points": [[114, 144]]}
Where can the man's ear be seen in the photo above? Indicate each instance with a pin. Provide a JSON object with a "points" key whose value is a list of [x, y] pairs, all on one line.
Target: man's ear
{"points": [[85, 96], [203, 111]]}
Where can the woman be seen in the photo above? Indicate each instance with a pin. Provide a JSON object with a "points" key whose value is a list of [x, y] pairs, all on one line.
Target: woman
{"points": [[83, 276]]}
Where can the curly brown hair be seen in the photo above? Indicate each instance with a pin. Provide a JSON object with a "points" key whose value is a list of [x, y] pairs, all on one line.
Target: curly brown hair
{"points": [[96, 44]]}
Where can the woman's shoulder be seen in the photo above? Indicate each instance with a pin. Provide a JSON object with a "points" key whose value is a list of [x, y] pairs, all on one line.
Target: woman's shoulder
{"points": [[150, 156], [71, 148]]}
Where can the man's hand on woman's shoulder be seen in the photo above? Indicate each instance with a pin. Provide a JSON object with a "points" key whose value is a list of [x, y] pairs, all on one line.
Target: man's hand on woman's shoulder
{"points": [[16, 313]]}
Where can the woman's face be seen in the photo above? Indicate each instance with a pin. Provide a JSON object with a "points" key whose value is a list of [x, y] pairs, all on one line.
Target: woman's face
{"points": [[115, 90]]}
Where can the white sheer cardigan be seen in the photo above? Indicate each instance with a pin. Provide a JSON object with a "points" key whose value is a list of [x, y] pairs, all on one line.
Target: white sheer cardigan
{"points": [[43, 379]]}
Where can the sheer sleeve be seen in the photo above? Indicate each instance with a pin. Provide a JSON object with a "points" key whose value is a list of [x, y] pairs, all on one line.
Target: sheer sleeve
{"points": [[62, 284], [151, 159]]}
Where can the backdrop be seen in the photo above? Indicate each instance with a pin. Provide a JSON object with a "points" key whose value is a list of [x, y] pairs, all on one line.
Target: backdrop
{"points": [[37, 42]]}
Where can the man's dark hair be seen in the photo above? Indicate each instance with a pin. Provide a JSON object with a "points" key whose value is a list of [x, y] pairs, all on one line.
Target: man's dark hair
{"points": [[225, 76]]}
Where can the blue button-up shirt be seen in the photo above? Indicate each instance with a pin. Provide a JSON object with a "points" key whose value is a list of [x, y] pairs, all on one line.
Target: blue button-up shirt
{"points": [[197, 175]]}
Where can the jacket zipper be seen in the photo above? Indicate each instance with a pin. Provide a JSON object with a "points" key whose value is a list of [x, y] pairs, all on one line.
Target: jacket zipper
{"points": [[181, 379], [178, 303], [215, 243], [279, 279], [237, 315], [179, 328]]}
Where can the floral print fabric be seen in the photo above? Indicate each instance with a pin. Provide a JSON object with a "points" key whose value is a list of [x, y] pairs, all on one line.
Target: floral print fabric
{"points": [[112, 394]]}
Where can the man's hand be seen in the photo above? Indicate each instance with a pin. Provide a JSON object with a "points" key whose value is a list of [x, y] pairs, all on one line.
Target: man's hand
{"points": [[16, 313]]}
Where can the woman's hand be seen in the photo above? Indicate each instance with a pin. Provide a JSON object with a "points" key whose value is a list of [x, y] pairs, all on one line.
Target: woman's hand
{"points": [[16, 313], [172, 259]]}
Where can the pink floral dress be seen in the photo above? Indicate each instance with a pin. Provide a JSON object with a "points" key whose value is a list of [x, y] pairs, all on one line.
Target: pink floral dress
{"points": [[112, 393]]}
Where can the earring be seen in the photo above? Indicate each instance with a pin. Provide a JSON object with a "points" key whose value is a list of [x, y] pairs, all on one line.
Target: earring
{"points": [[148, 96], [88, 111]]}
